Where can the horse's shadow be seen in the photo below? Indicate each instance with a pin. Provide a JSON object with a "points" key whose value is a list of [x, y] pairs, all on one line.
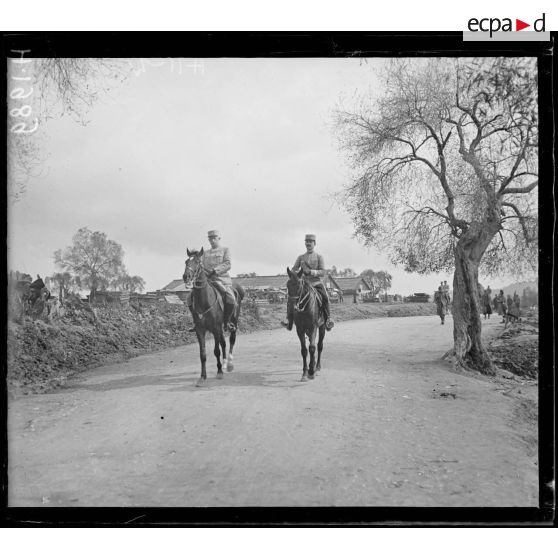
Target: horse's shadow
{"points": [[283, 379], [124, 383], [184, 382]]}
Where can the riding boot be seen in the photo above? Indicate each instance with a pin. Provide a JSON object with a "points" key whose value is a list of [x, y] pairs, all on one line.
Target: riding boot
{"points": [[328, 321], [228, 317]]}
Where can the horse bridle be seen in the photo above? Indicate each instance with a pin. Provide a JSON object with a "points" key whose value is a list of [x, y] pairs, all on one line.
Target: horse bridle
{"points": [[195, 279], [303, 298], [196, 274]]}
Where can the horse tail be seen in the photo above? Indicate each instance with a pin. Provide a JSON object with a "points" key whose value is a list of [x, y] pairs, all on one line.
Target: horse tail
{"points": [[240, 290]]}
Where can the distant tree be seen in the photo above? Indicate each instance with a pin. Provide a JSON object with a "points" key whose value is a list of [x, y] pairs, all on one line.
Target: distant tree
{"points": [[65, 282], [92, 257], [125, 282], [378, 280], [445, 176], [370, 276], [383, 279], [347, 272], [251, 274]]}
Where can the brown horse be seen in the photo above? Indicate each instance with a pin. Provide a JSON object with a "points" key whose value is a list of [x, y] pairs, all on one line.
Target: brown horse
{"points": [[207, 311], [308, 320]]}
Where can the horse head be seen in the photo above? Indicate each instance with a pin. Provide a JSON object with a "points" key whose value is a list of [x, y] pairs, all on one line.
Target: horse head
{"points": [[294, 283], [193, 266]]}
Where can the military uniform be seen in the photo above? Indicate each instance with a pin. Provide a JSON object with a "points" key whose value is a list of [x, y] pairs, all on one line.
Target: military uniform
{"points": [[218, 260], [313, 264], [217, 263], [440, 300], [316, 264]]}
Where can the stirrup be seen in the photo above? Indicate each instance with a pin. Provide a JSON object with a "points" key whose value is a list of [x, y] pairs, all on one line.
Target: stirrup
{"points": [[329, 324], [192, 329], [230, 327], [287, 325]]}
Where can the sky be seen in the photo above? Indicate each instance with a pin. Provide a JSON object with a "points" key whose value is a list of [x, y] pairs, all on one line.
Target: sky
{"points": [[245, 146]]}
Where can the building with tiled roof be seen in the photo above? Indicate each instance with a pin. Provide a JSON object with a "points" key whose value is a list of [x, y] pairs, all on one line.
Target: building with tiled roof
{"points": [[262, 282], [349, 285]]}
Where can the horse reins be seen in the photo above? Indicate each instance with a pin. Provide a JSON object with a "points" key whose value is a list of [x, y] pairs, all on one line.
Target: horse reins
{"points": [[195, 280], [303, 301]]}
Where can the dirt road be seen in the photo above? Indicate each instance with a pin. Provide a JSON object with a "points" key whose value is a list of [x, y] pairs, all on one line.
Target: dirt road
{"points": [[386, 423]]}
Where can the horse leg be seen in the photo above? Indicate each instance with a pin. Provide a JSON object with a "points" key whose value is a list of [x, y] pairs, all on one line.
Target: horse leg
{"points": [[232, 341], [217, 354], [320, 347], [304, 353], [203, 357], [312, 349], [223, 343]]}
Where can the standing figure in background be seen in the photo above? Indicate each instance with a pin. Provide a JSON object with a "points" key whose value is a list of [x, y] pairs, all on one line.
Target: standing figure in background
{"points": [[513, 309], [517, 302], [440, 300], [500, 304], [486, 302], [509, 303]]}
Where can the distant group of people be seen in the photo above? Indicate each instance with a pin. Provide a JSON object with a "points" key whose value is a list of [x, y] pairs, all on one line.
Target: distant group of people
{"points": [[443, 300], [506, 306]]}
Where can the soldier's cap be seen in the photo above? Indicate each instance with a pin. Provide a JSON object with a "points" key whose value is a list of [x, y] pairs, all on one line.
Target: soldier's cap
{"points": [[212, 233], [310, 237]]}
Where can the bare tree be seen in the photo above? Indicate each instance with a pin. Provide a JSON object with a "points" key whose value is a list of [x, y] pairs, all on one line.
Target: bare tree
{"points": [[60, 86], [93, 258], [446, 171]]}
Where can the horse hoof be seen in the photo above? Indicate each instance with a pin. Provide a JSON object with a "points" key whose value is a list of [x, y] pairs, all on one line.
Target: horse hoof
{"points": [[200, 382], [230, 366], [304, 379], [220, 375], [311, 377]]}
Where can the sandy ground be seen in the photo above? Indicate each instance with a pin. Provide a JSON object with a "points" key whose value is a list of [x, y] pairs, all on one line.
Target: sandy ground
{"points": [[386, 423]]}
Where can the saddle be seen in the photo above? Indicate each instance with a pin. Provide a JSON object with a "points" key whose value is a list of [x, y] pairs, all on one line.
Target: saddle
{"points": [[319, 296], [220, 290], [319, 300]]}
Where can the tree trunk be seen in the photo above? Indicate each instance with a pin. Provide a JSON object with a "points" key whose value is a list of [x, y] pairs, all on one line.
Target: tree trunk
{"points": [[466, 309]]}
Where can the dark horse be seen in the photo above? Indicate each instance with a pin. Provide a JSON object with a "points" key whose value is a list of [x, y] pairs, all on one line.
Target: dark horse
{"points": [[207, 312], [308, 320]]}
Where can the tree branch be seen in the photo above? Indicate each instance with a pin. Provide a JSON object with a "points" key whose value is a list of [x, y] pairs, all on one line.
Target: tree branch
{"points": [[521, 190], [521, 217]]}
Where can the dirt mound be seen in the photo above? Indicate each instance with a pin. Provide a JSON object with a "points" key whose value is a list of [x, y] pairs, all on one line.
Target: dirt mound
{"points": [[269, 316], [517, 349], [43, 353]]}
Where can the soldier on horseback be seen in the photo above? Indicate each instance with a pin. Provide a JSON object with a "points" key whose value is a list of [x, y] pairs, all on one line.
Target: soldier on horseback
{"points": [[313, 267], [217, 262]]}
